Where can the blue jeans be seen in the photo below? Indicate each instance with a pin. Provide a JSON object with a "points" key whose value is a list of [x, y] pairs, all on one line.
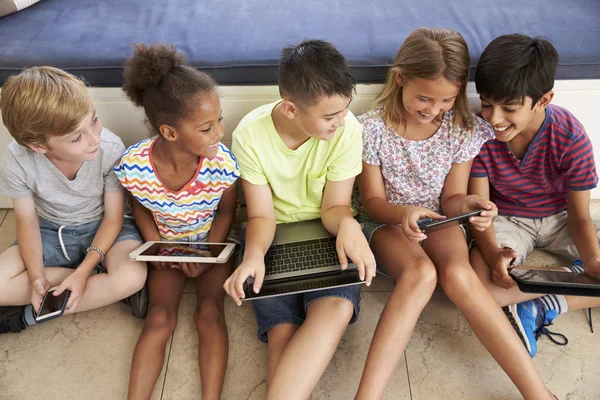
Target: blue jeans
{"points": [[291, 309]]}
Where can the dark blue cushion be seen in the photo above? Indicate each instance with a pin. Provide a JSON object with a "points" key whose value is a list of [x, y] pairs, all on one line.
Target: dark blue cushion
{"points": [[239, 42]]}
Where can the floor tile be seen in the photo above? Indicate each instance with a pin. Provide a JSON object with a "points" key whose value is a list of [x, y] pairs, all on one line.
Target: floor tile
{"points": [[343, 375], [83, 356], [446, 360], [246, 375], [571, 371]]}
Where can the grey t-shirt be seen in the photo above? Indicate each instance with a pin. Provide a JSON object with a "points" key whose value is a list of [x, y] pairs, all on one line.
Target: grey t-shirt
{"points": [[24, 172]]}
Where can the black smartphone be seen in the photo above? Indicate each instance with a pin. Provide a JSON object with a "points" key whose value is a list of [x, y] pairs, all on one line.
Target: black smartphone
{"points": [[52, 306], [546, 281], [429, 225]]}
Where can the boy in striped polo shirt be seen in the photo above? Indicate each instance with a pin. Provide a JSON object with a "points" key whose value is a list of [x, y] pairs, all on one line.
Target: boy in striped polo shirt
{"points": [[539, 172]]}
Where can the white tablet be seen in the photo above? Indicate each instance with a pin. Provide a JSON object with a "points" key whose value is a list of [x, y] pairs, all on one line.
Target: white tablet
{"points": [[192, 252]]}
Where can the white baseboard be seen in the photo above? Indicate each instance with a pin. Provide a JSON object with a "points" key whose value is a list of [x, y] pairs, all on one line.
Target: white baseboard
{"points": [[117, 113]]}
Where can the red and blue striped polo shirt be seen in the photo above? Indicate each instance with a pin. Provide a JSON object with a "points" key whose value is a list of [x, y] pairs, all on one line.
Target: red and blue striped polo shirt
{"points": [[559, 158]]}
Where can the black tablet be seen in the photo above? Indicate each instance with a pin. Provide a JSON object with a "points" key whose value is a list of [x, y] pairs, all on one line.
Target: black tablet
{"points": [[552, 281], [428, 225]]}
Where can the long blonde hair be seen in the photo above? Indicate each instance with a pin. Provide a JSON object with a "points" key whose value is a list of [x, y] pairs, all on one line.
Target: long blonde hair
{"points": [[429, 53]]}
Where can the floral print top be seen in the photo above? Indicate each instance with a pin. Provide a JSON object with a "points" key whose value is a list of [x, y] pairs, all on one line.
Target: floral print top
{"points": [[414, 171]]}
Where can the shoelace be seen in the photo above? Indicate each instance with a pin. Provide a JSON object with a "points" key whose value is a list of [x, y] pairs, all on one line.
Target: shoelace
{"points": [[543, 330]]}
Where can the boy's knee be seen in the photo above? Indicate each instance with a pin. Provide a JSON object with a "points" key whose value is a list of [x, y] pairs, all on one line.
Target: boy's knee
{"points": [[338, 308], [133, 278], [161, 318], [209, 311]]}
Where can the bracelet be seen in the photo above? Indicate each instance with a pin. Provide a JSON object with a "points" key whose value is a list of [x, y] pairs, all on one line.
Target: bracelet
{"points": [[98, 250]]}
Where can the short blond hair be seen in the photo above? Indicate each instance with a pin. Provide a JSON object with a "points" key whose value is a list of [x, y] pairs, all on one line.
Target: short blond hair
{"points": [[42, 102]]}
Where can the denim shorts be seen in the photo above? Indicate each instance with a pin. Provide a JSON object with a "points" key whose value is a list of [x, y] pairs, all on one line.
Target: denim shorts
{"points": [[291, 309], [66, 246], [369, 228]]}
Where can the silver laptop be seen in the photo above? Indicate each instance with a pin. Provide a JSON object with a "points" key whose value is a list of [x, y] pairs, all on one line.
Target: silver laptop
{"points": [[302, 258]]}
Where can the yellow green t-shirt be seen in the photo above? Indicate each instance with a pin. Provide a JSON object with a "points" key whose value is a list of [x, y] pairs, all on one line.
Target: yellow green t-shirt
{"points": [[296, 177]]}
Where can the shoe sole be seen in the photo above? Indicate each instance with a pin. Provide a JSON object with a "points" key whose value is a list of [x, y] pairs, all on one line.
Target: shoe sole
{"points": [[515, 321]]}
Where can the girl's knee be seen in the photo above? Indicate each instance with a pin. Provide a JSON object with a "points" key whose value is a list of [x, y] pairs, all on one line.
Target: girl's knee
{"points": [[421, 276], [161, 318], [458, 278], [209, 312]]}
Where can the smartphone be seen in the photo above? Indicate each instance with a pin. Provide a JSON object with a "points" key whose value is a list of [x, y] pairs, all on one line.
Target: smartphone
{"points": [[52, 306], [428, 225], [546, 280]]}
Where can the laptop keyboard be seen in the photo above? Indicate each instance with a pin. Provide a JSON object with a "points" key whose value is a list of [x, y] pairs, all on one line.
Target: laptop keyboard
{"points": [[306, 255], [304, 286]]}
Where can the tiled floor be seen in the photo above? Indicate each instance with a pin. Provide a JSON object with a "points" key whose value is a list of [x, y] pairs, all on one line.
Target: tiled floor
{"points": [[87, 356]]}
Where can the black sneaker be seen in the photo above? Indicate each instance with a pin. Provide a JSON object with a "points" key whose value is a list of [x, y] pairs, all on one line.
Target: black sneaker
{"points": [[11, 319], [138, 303]]}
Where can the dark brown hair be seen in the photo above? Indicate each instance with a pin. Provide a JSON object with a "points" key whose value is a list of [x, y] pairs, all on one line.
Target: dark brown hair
{"points": [[514, 66], [157, 79], [314, 69]]}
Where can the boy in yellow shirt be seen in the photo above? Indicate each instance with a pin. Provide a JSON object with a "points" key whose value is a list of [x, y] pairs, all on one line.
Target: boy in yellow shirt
{"points": [[298, 159]]}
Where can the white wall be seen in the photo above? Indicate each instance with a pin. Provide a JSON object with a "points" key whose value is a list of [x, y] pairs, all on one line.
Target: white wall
{"points": [[581, 97]]}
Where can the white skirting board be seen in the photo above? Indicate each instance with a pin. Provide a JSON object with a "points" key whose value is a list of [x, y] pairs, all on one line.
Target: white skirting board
{"points": [[117, 113]]}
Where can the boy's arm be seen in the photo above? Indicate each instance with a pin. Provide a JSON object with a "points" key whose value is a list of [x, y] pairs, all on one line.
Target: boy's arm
{"points": [[30, 247], [582, 230], [497, 259], [110, 227], [338, 220], [260, 232]]}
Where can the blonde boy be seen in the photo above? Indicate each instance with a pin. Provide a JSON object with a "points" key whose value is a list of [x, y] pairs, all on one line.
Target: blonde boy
{"points": [[68, 203]]}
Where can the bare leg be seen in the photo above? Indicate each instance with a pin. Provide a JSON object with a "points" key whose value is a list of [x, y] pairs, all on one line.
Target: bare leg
{"points": [[279, 337], [448, 251], [503, 296], [15, 287], [209, 316], [124, 278], [309, 351], [415, 278], [165, 287]]}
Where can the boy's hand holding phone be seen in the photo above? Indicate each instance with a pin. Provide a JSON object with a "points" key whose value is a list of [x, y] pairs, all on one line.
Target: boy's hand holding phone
{"points": [[53, 306], [40, 287], [76, 283]]}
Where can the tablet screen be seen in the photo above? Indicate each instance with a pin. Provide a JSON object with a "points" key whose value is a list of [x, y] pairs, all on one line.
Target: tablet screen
{"points": [[192, 250], [554, 277]]}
